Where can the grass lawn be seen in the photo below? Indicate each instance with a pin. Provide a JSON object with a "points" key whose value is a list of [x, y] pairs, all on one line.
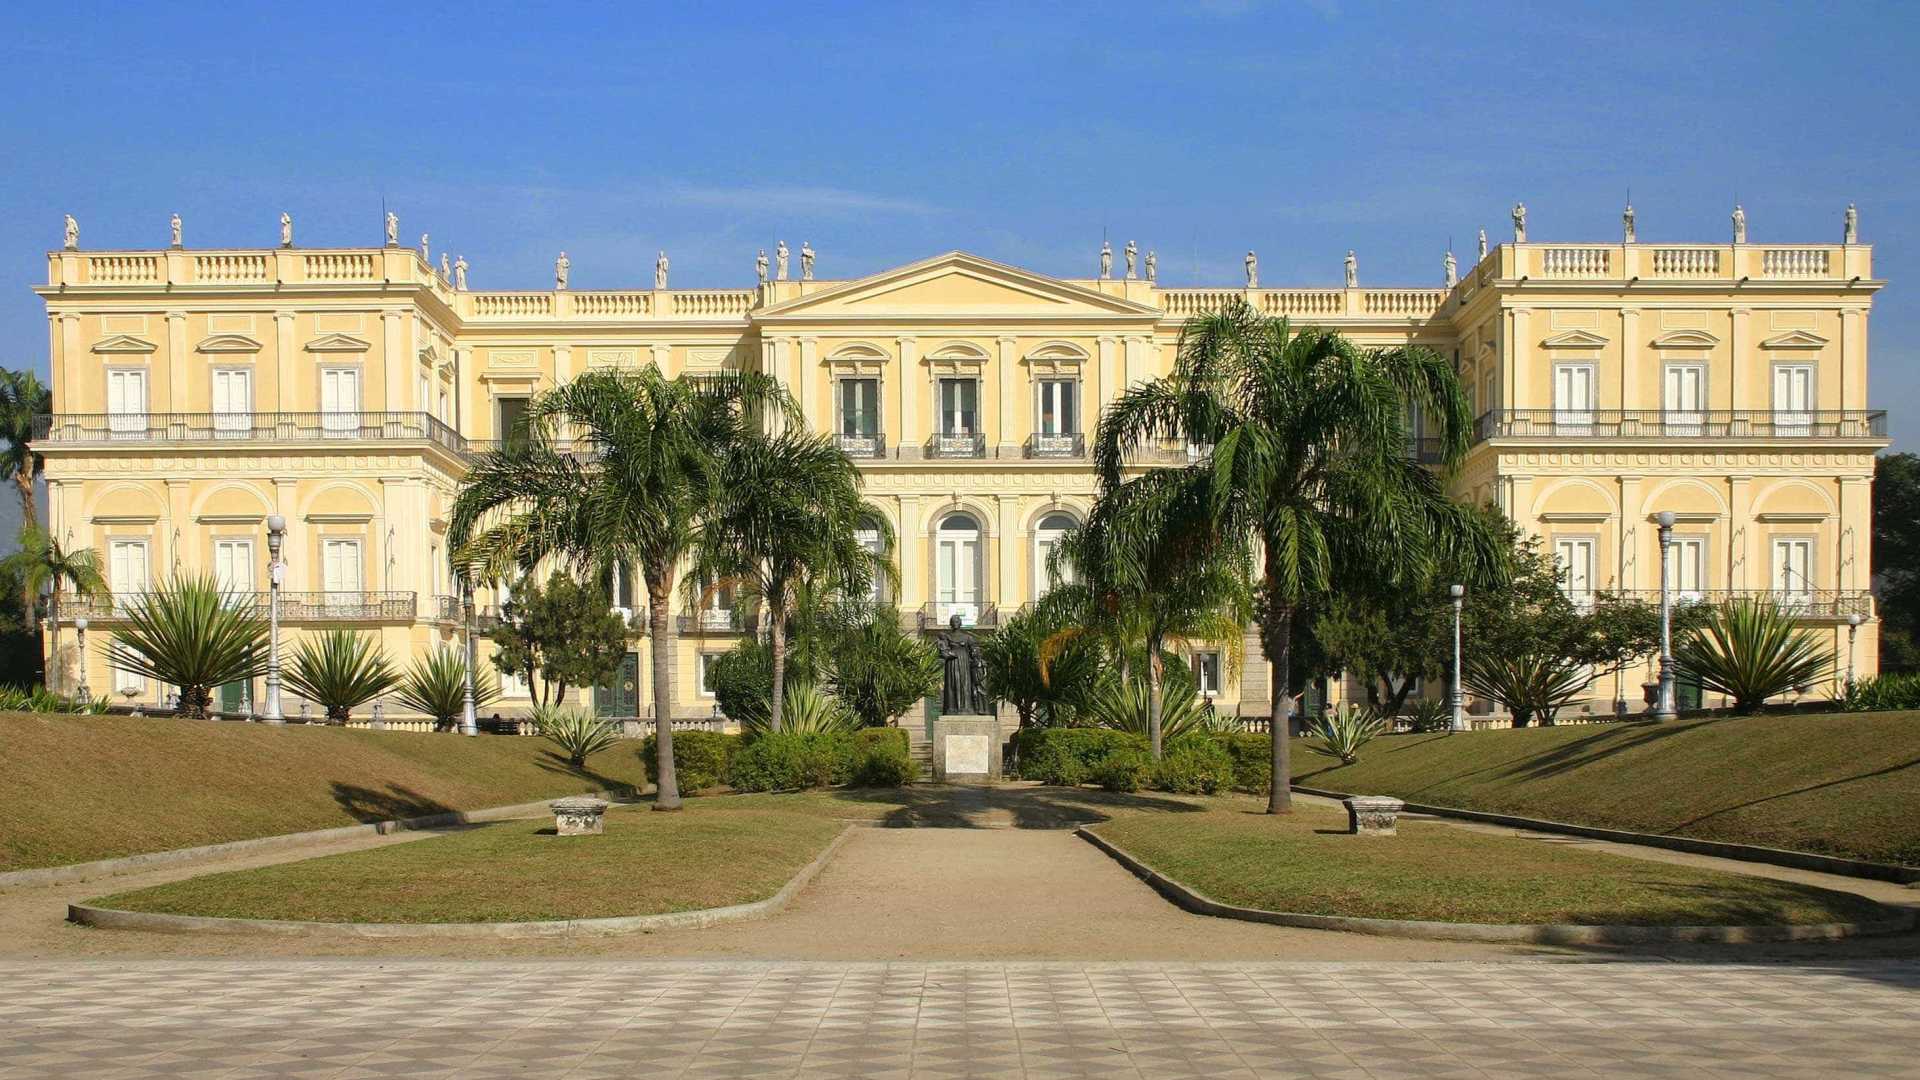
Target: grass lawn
{"points": [[1835, 784], [77, 788], [1305, 863], [644, 864]]}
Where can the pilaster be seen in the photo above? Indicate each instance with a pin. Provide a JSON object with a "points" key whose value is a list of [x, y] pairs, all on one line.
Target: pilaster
{"points": [[176, 364], [1008, 574], [809, 388], [70, 352], [913, 554], [1520, 362], [175, 529], [1856, 531], [1138, 369], [1740, 540], [1630, 361], [1006, 364], [1853, 367], [663, 357], [909, 395], [395, 357], [285, 501], [1737, 344], [284, 398], [1632, 516], [1109, 377]]}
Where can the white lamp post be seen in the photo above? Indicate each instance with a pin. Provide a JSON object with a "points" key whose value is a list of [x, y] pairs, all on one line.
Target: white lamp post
{"points": [[1853, 631], [1459, 721], [276, 573], [469, 724], [1663, 709], [80, 627]]}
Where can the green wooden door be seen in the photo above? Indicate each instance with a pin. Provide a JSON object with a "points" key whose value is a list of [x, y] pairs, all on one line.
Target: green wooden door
{"points": [[1686, 692], [622, 696], [235, 697]]}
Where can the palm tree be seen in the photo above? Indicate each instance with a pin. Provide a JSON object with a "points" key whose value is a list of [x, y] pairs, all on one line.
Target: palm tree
{"points": [[1174, 572], [785, 515], [22, 399], [1305, 440], [43, 562], [191, 633], [630, 490]]}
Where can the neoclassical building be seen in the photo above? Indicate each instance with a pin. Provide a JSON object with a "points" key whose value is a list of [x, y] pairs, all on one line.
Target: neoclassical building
{"points": [[196, 392]]}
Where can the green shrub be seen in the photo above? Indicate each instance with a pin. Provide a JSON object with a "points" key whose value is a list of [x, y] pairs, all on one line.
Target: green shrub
{"points": [[1252, 757], [1067, 756], [577, 733], [1883, 693], [881, 762], [1751, 650], [700, 759], [1126, 769], [1194, 765], [1345, 730], [1429, 715], [792, 761]]}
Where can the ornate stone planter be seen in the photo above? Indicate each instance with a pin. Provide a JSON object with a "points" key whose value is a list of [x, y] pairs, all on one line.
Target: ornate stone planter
{"points": [[581, 815], [1373, 815]]}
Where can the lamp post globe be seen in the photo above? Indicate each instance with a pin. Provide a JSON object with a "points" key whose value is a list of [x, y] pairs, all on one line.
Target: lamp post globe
{"points": [[1664, 707]]}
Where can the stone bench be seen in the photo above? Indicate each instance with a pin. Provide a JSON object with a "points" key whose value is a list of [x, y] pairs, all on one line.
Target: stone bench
{"points": [[1373, 815], [580, 815]]}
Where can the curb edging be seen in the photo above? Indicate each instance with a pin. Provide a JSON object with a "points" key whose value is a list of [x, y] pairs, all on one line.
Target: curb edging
{"points": [[1191, 900], [116, 919], [1797, 860], [125, 864]]}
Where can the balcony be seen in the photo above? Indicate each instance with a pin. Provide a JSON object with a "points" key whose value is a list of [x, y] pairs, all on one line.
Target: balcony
{"points": [[1664, 424], [1058, 447], [872, 447], [391, 606], [113, 429], [712, 621], [1811, 604], [939, 615], [957, 445]]}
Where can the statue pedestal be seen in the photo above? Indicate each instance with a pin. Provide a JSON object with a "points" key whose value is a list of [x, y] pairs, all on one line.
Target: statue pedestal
{"points": [[966, 748]]}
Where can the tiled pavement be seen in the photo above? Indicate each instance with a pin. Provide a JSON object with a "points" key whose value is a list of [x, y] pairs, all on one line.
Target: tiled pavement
{"points": [[593, 1019]]}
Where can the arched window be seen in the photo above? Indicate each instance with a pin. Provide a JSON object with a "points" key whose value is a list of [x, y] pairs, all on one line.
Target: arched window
{"points": [[873, 539], [957, 569], [1046, 539]]}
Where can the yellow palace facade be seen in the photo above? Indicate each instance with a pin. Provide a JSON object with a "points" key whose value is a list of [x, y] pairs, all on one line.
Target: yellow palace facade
{"points": [[197, 392]]}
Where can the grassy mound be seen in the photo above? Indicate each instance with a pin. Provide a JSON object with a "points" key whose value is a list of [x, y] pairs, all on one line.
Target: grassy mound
{"points": [[1846, 784], [516, 871], [78, 788], [1304, 863]]}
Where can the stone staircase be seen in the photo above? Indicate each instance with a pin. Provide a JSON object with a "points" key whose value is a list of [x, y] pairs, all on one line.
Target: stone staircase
{"points": [[920, 752]]}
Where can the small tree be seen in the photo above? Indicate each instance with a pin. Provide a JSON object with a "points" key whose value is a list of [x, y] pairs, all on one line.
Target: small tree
{"points": [[742, 682], [188, 633], [436, 684], [1046, 684], [1750, 651], [43, 562], [563, 635], [339, 671], [874, 668]]}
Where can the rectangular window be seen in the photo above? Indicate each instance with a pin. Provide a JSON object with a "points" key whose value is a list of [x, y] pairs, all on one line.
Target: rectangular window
{"points": [[340, 572], [233, 566], [1575, 556], [701, 663], [126, 571], [1573, 399], [232, 402], [1206, 673], [622, 591], [959, 406], [1057, 407], [425, 389], [1793, 567], [340, 402], [511, 420], [1683, 397], [127, 402], [860, 408], [1687, 568], [1793, 399]]}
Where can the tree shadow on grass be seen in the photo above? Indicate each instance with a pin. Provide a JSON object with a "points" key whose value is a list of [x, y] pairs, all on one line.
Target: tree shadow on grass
{"points": [[987, 806], [550, 761], [1796, 791], [367, 805], [1528, 765]]}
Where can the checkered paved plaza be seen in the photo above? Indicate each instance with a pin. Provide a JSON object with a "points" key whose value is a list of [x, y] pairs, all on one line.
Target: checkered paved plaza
{"points": [[582, 1019]]}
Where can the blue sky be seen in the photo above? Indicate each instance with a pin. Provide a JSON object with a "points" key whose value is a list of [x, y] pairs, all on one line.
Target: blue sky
{"points": [[883, 133]]}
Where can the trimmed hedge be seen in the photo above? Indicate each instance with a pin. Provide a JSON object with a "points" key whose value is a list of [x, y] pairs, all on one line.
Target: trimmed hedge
{"points": [[1125, 769], [1195, 764], [1252, 757], [701, 759], [1068, 756], [791, 761]]}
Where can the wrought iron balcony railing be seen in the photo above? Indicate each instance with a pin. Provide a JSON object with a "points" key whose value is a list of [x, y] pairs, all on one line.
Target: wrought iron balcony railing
{"points": [[861, 446], [1057, 446], [391, 606], [1681, 424], [939, 615], [1801, 603], [723, 621], [957, 445], [82, 429]]}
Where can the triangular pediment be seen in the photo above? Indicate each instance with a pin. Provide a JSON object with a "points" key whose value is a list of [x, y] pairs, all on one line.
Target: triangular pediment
{"points": [[228, 343], [957, 285], [1794, 339], [338, 343], [1574, 339], [1686, 339], [124, 343]]}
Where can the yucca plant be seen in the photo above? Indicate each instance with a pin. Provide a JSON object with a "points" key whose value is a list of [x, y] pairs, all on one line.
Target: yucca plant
{"points": [[436, 684], [806, 709], [1528, 684], [1429, 715], [1124, 704], [188, 633], [1345, 730], [340, 670], [578, 733], [1750, 651]]}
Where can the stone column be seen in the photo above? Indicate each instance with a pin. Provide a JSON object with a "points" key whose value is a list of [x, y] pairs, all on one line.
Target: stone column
{"points": [[1853, 351], [1630, 363], [1738, 361], [285, 355], [914, 588], [562, 364], [1109, 376], [809, 389], [1137, 359], [910, 434], [1008, 531], [177, 365], [663, 358], [1007, 433], [71, 354], [1520, 356]]}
